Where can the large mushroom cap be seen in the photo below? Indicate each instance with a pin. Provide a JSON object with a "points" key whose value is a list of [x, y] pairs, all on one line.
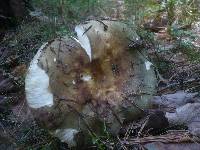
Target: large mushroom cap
{"points": [[76, 84]]}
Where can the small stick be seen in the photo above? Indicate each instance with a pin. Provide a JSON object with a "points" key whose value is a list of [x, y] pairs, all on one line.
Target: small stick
{"points": [[122, 144], [82, 118], [115, 115], [59, 48], [87, 29], [52, 50], [134, 104], [105, 26], [142, 127], [47, 65]]}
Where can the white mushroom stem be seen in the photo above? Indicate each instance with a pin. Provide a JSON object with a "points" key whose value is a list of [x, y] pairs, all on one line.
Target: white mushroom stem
{"points": [[84, 41], [37, 84]]}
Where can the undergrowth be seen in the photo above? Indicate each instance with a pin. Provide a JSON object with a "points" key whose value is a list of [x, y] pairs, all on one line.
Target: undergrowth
{"points": [[25, 40]]}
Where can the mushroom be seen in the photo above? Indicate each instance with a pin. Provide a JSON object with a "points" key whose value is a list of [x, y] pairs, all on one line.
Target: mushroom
{"points": [[74, 86]]}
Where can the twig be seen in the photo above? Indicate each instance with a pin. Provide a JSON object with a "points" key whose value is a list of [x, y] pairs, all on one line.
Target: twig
{"points": [[52, 50], [105, 26], [142, 127], [47, 65], [21, 108], [122, 144], [128, 131], [115, 115], [4, 130], [59, 48], [87, 30], [82, 118], [132, 101], [175, 137], [173, 85], [4, 17]]}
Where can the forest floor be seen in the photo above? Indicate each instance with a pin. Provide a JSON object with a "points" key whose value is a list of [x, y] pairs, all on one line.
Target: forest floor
{"points": [[177, 68]]}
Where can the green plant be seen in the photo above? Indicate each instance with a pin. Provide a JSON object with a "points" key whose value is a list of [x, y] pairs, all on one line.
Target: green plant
{"points": [[181, 12], [70, 10], [190, 50], [170, 6], [149, 9], [178, 12], [184, 44], [102, 142]]}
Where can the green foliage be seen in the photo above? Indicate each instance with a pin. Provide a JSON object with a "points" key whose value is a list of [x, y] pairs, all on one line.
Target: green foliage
{"points": [[145, 35], [102, 142], [163, 66], [179, 34], [170, 7], [68, 10], [190, 50], [187, 11], [29, 37], [133, 8], [184, 43], [181, 12]]}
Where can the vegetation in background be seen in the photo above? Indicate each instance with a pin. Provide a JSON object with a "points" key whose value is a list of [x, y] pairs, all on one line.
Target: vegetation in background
{"points": [[179, 12], [62, 15], [102, 142], [184, 44], [70, 10], [139, 10]]}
